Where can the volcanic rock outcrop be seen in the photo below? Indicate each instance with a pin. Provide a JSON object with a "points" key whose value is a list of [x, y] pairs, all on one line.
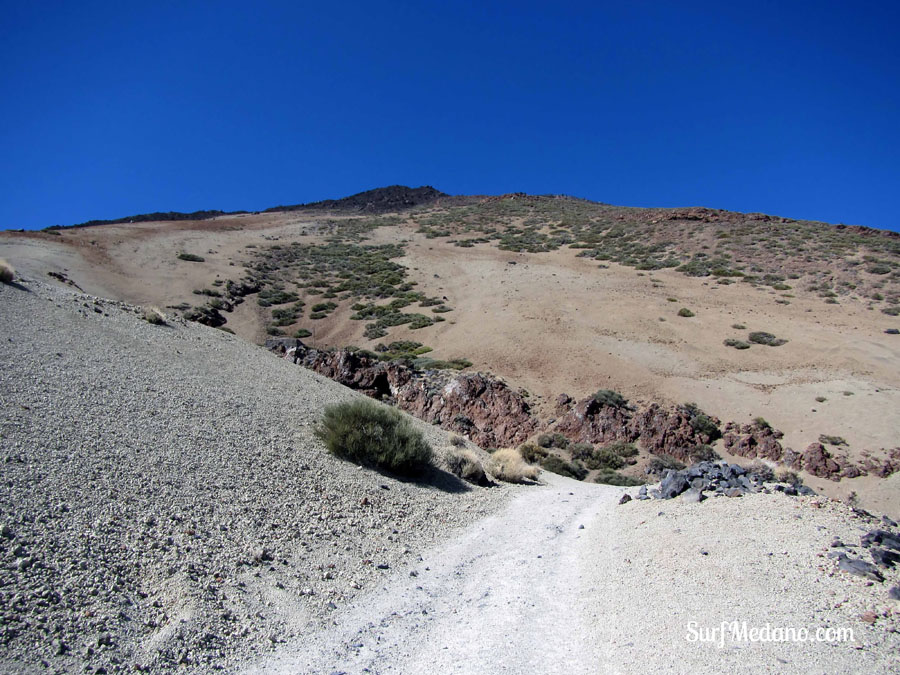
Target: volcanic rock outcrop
{"points": [[478, 406]]}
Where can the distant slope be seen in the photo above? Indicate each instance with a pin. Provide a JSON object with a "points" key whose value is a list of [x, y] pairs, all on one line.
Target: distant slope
{"points": [[379, 200]]}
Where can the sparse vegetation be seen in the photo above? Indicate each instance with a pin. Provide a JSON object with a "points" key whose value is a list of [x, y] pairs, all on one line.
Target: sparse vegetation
{"points": [[506, 464], [464, 464], [558, 465], [190, 257], [685, 312], [737, 344], [610, 477], [831, 440], [532, 453], [662, 463], [704, 453], [154, 316], [374, 435], [611, 398], [7, 273], [763, 338]]}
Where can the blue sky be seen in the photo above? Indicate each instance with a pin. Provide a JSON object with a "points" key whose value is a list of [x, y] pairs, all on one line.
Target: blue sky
{"points": [[111, 109]]}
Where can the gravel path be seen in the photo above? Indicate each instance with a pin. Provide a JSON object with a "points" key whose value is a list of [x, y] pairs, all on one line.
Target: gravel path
{"points": [[507, 596], [163, 499]]}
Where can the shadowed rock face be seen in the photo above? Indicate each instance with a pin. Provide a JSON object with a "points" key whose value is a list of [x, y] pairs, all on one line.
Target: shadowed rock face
{"points": [[662, 431], [472, 404], [590, 421]]}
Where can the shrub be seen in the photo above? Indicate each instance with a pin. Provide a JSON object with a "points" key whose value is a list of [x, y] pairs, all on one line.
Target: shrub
{"points": [[762, 422], [154, 316], [604, 458], [7, 273], [507, 465], [789, 477], [581, 450], [737, 344], [302, 333], [662, 463], [531, 453], [763, 338], [821, 399], [557, 440], [616, 478], [560, 466], [704, 453], [831, 440], [464, 464], [622, 449], [457, 441], [372, 434], [763, 470], [610, 398], [738, 326], [701, 422], [545, 440], [190, 257], [685, 312]]}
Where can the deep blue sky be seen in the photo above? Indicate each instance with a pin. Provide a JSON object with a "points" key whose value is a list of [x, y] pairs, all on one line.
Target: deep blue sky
{"points": [[115, 108]]}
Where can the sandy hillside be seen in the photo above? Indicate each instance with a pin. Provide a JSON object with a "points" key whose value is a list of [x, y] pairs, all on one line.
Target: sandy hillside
{"points": [[553, 322]]}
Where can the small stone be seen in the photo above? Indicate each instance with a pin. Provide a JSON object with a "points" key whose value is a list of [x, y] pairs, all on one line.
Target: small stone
{"points": [[868, 617], [693, 496], [703, 551], [894, 593], [624, 500]]}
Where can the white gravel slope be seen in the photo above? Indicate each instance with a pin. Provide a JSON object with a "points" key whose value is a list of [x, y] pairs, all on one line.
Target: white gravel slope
{"points": [[164, 502]]}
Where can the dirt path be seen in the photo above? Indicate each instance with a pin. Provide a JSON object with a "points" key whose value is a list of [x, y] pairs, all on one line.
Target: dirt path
{"points": [[564, 580], [490, 601]]}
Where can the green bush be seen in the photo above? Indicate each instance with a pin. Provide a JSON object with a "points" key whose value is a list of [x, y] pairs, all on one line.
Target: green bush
{"points": [[662, 463], [610, 398], [604, 458], [532, 453], [610, 477], [581, 451], [622, 449], [563, 468], [704, 453], [372, 434], [190, 257], [763, 338], [685, 312], [737, 344]]}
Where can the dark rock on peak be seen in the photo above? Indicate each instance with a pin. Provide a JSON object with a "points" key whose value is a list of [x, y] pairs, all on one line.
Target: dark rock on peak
{"points": [[379, 200]]}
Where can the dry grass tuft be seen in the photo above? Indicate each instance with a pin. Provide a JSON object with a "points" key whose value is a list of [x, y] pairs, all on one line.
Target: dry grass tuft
{"points": [[154, 316], [507, 465], [7, 273], [464, 464]]}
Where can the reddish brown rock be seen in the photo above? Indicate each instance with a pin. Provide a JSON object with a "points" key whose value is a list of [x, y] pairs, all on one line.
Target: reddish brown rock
{"points": [[478, 406], [592, 422], [819, 462], [675, 431], [753, 440], [564, 403]]}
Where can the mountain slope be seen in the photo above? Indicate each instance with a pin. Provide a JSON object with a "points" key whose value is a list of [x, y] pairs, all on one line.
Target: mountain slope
{"points": [[163, 488]]}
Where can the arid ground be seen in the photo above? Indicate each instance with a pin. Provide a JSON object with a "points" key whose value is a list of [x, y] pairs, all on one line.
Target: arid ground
{"points": [[532, 308]]}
